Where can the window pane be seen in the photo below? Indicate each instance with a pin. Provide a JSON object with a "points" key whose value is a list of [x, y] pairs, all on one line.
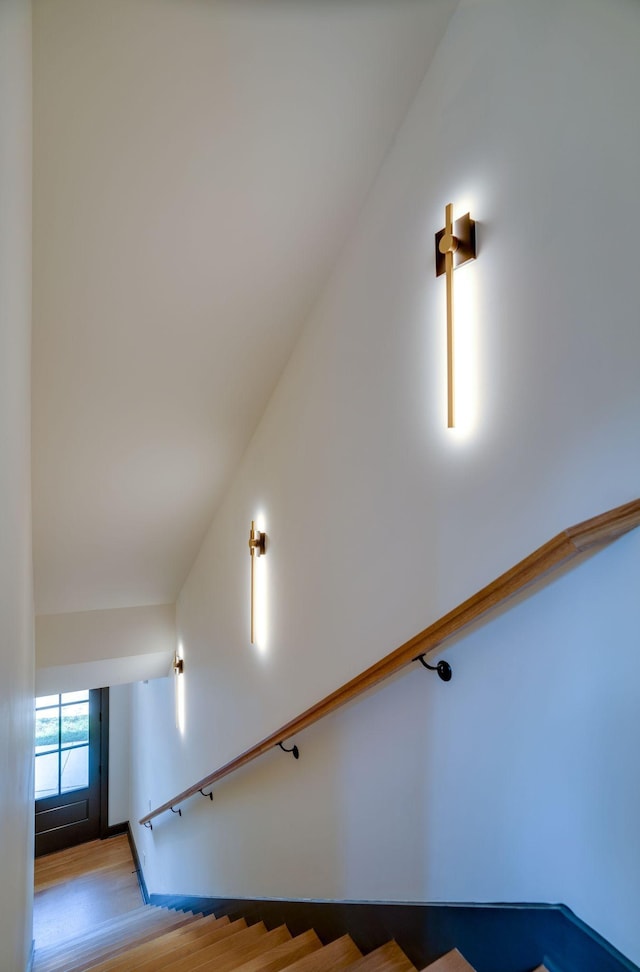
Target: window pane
{"points": [[46, 775], [46, 700], [75, 769], [76, 696], [47, 721], [75, 724]]}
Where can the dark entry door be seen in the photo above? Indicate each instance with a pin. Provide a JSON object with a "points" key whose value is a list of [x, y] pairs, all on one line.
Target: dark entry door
{"points": [[67, 770]]}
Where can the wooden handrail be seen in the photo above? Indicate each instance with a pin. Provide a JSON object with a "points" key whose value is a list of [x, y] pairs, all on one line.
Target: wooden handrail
{"points": [[566, 546]]}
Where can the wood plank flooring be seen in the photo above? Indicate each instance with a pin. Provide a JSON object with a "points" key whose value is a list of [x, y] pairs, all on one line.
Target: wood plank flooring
{"points": [[78, 888]]}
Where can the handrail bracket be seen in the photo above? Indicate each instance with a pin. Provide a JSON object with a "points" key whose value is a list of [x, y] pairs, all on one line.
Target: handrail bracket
{"points": [[443, 668], [294, 750]]}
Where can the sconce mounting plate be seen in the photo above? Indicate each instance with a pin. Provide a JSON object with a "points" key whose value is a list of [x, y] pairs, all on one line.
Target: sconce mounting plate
{"points": [[257, 541], [464, 231]]}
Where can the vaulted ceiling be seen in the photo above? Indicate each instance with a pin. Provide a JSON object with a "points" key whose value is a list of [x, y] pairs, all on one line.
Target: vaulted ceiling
{"points": [[197, 167]]}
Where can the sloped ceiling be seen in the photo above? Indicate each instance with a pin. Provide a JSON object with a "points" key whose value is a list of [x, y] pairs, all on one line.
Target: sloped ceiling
{"points": [[197, 167]]}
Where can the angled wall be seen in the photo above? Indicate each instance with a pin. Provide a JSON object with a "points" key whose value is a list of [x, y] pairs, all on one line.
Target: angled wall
{"points": [[83, 649], [517, 781], [16, 592]]}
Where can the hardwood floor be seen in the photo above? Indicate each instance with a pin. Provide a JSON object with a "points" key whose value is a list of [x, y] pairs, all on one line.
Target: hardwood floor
{"points": [[78, 888]]}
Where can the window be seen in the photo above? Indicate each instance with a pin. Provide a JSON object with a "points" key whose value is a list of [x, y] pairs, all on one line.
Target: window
{"points": [[62, 744]]}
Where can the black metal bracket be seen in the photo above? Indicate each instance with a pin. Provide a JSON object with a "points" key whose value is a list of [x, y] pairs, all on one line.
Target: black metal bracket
{"points": [[294, 750], [149, 825], [178, 811], [443, 668], [209, 794]]}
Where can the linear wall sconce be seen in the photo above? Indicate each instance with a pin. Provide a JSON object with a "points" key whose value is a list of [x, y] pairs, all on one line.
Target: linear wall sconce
{"points": [[455, 246], [257, 548], [177, 667]]}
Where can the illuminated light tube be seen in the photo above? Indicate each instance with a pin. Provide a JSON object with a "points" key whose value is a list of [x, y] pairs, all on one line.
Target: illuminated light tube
{"points": [[257, 548], [178, 672], [455, 246]]}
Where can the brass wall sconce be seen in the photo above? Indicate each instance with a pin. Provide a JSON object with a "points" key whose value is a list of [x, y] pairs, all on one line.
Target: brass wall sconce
{"points": [[455, 246], [178, 664], [257, 547], [177, 667]]}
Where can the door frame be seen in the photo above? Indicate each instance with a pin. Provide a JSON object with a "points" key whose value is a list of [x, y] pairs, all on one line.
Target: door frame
{"points": [[105, 829], [99, 748]]}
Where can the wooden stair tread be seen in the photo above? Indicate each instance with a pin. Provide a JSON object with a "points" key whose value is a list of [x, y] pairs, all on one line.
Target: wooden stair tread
{"points": [[107, 939], [217, 951], [451, 962], [49, 956], [196, 936], [337, 955], [229, 945], [144, 955], [387, 958], [155, 954], [145, 925], [282, 956], [240, 954], [151, 960], [146, 914]]}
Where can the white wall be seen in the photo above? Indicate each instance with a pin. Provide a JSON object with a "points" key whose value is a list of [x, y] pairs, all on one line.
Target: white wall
{"points": [[119, 753], [518, 780], [112, 647], [16, 592]]}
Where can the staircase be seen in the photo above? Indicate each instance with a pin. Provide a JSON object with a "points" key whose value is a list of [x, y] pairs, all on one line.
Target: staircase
{"points": [[150, 939]]}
